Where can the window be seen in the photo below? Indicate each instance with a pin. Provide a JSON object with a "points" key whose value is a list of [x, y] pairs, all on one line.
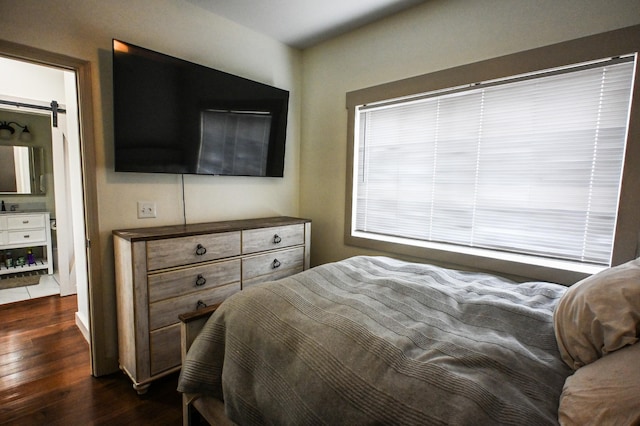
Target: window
{"points": [[527, 167]]}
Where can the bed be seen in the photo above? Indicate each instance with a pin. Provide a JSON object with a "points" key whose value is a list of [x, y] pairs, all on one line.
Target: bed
{"points": [[374, 340]]}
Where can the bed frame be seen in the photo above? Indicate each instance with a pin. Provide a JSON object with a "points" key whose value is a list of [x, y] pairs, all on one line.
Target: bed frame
{"points": [[207, 408]]}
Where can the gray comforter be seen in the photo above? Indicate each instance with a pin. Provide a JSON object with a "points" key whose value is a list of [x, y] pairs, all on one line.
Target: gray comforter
{"points": [[375, 340]]}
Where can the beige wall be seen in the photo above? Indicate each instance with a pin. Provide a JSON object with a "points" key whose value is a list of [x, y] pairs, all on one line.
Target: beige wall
{"points": [[436, 35], [84, 29]]}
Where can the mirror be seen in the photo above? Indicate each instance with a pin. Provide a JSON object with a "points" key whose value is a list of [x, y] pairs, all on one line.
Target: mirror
{"points": [[22, 170]]}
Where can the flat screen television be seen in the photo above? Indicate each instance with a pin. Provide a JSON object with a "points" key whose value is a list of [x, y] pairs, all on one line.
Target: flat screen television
{"points": [[174, 116]]}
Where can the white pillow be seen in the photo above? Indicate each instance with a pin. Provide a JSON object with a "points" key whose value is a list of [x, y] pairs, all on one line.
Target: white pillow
{"points": [[599, 314], [605, 392]]}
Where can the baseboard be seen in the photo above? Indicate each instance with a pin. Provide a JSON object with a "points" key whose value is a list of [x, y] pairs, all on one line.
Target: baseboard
{"points": [[83, 328]]}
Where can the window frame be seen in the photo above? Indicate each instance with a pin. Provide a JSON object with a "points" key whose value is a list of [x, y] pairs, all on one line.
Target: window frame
{"points": [[627, 233]]}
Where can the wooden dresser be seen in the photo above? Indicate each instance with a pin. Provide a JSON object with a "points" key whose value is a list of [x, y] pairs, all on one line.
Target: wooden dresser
{"points": [[162, 272]]}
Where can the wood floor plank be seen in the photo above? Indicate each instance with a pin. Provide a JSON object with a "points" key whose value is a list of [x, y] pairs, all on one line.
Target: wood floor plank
{"points": [[45, 375]]}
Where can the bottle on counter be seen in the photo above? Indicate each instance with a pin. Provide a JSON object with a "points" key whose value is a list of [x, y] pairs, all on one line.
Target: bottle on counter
{"points": [[30, 258], [8, 259]]}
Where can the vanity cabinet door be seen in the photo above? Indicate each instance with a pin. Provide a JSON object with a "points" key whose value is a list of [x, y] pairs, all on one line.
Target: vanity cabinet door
{"points": [[25, 221], [27, 236]]}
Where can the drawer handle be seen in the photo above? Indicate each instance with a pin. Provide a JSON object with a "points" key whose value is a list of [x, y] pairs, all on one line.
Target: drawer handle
{"points": [[200, 250], [277, 239], [200, 281], [201, 304], [25, 221], [275, 264], [27, 236]]}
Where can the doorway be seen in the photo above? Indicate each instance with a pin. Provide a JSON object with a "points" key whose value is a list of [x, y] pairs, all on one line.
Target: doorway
{"points": [[44, 100], [85, 182]]}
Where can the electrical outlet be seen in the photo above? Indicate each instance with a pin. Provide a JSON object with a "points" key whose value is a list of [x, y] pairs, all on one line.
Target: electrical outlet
{"points": [[146, 209]]}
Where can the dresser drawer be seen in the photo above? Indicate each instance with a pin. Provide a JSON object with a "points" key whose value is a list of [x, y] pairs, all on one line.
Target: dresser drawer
{"points": [[25, 221], [180, 251], [4, 237], [272, 265], [255, 240], [27, 236], [3, 222], [165, 348], [165, 312], [179, 282], [273, 276]]}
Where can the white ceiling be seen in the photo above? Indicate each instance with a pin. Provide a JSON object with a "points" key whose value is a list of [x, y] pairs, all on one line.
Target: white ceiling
{"points": [[303, 23]]}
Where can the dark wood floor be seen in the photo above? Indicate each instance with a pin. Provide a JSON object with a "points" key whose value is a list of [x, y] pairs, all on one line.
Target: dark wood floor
{"points": [[45, 375]]}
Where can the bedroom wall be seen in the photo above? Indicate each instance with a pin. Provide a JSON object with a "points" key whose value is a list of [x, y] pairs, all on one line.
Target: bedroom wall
{"points": [[84, 29], [436, 35]]}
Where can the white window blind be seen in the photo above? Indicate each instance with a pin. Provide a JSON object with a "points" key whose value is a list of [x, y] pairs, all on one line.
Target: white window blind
{"points": [[530, 165]]}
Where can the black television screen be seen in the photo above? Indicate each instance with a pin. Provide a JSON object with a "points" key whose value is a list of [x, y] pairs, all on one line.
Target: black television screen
{"points": [[174, 116]]}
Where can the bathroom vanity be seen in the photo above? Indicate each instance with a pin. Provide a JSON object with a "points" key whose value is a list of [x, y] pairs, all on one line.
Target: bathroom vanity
{"points": [[20, 232]]}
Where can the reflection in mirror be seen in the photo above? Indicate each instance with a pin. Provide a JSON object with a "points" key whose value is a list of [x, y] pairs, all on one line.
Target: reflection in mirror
{"points": [[22, 170]]}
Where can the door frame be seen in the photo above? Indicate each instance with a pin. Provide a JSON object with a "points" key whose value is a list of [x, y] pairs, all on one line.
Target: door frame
{"points": [[99, 363]]}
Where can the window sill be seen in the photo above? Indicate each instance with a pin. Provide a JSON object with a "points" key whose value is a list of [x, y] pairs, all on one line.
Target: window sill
{"points": [[518, 265]]}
